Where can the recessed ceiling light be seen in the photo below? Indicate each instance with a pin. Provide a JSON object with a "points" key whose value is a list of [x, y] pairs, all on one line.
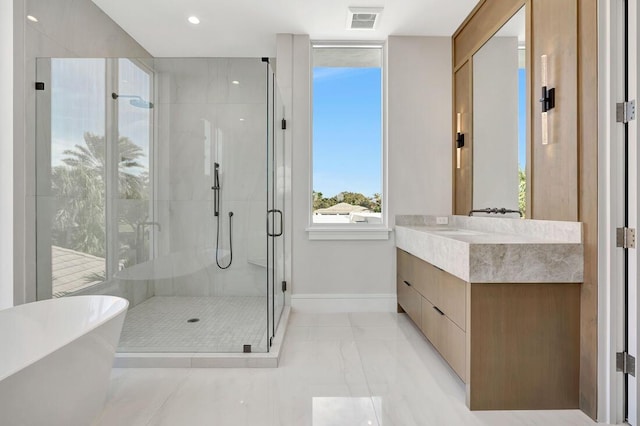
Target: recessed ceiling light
{"points": [[32, 18], [242, 119], [194, 20], [236, 82]]}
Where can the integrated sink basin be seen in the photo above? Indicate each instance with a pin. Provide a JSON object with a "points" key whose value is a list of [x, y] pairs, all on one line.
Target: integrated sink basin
{"points": [[454, 232], [496, 250]]}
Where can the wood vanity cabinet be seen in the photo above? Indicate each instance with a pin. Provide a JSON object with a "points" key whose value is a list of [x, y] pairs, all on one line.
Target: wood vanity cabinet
{"points": [[515, 345], [408, 296], [436, 301]]}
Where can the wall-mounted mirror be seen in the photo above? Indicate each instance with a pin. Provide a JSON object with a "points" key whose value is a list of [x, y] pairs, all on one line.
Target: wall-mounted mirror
{"points": [[499, 119]]}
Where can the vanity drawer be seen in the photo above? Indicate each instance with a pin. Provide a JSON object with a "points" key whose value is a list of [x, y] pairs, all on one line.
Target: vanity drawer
{"points": [[455, 347], [431, 324], [404, 265], [426, 280], [453, 298], [409, 299], [449, 339]]}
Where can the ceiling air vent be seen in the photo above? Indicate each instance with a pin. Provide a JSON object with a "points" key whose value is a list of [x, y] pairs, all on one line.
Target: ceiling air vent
{"points": [[363, 18]]}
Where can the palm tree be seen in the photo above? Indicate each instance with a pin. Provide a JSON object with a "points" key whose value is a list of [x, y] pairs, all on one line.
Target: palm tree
{"points": [[79, 184]]}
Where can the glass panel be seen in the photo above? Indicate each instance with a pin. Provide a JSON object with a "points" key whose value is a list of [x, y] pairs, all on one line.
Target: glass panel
{"points": [[71, 230], [280, 170], [135, 158], [271, 203], [209, 212], [136, 227]]}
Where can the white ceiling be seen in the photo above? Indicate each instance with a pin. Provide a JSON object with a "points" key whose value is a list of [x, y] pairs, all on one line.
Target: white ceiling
{"points": [[248, 28]]}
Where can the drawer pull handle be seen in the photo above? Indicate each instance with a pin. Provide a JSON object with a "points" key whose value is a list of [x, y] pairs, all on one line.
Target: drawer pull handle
{"points": [[407, 283], [439, 311]]}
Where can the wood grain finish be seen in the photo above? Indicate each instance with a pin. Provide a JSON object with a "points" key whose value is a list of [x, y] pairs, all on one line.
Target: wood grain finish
{"points": [[463, 185], [516, 346], [436, 301], [588, 204], [554, 183], [453, 298], [431, 324], [455, 347], [427, 280], [484, 21], [404, 264], [523, 346], [445, 336], [441, 289], [562, 178], [408, 299]]}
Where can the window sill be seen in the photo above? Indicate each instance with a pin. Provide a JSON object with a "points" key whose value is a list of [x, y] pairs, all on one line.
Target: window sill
{"points": [[351, 233]]}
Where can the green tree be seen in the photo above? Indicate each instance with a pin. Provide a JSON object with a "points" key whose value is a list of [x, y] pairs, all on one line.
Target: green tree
{"points": [[79, 186], [373, 203], [522, 192], [376, 202], [355, 199]]}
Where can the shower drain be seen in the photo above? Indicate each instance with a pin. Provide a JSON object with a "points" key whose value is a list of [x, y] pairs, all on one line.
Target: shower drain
{"points": [[193, 320]]}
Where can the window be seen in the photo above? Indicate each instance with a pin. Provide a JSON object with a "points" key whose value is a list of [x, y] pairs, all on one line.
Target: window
{"points": [[93, 171], [347, 141]]}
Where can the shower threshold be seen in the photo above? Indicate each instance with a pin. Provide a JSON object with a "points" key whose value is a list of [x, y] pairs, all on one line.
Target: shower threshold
{"points": [[208, 360]]}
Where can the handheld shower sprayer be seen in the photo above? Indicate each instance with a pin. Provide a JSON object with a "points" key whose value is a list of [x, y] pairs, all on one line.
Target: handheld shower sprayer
{"points": [[216, 212], [216, 189]]}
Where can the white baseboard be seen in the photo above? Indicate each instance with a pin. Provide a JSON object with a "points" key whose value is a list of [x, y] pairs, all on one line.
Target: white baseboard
{"points": [[327, 303]]}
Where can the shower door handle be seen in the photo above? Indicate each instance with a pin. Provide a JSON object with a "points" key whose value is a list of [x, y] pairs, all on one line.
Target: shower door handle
{"points": [[269, 233]]}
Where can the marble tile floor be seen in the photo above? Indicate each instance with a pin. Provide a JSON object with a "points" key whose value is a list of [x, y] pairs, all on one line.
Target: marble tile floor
{"points": [[335, 369]]}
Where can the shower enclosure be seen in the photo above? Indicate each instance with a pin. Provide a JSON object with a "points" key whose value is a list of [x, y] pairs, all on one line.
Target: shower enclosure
{"points": [[161, 181]]}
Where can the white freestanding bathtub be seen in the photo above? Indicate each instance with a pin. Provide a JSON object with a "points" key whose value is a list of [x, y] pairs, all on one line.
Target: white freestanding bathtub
{"points": [[55, 359]]}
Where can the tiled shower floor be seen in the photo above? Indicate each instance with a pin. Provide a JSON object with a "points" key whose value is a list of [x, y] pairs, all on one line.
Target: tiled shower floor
{"points": [[160, 324]]}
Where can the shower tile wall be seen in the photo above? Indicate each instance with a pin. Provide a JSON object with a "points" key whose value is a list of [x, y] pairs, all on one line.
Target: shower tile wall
{"points": [[204, 117]]}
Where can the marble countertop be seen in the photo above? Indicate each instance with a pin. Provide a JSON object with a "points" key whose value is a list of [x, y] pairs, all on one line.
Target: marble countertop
{"points": [[495, 250]]}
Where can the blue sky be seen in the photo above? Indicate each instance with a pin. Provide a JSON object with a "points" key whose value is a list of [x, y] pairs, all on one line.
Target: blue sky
{"points": [[346, 129], [347, 145], [78, 97]]}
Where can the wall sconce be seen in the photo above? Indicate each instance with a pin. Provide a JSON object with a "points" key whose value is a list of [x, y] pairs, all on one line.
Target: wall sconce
{"points": [[548, 100], [459, 138]]}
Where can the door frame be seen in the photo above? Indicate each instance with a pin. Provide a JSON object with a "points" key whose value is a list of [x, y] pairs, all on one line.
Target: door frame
{"points": [[634, 208], [611, 306]]}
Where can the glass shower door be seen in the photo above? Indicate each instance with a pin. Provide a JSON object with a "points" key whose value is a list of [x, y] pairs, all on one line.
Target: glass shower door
{"points": [[71, 228], [279, 196], [94, 136], [134, 159], [275, 204]]}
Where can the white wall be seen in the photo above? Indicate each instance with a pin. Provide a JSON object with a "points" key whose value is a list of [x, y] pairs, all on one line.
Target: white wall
{"points": [[66, 28], [192, 92], [6, 154], [419, 96], [360, 275], [495, 124]]}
